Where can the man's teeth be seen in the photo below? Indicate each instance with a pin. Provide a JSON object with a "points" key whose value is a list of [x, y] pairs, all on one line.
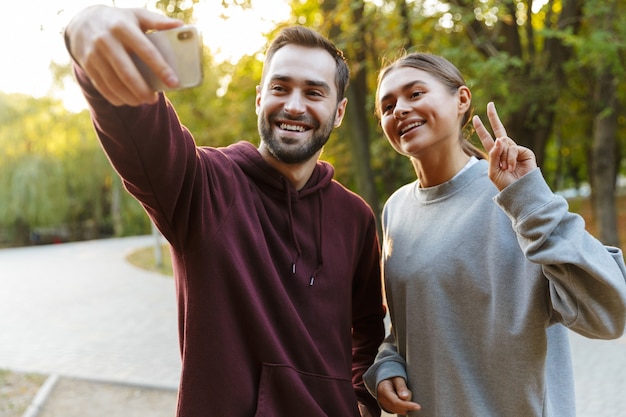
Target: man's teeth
{"points": [[411, 126], [292, 128]]}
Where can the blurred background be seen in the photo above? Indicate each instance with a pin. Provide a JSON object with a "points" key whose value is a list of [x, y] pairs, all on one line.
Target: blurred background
{"points": [[553, 67]]}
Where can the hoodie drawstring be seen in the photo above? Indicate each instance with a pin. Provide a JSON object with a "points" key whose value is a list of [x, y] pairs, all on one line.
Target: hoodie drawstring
{"points": [[320, 260], [293, 234]]}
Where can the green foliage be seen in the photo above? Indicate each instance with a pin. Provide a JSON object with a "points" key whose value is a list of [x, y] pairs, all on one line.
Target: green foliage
{"points": [[539, 66], [31, 173], [222, 110], [53, 174], [179, 9]]}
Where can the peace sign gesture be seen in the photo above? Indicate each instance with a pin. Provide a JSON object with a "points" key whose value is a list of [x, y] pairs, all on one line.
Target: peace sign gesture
{"points": [[508, 161]]}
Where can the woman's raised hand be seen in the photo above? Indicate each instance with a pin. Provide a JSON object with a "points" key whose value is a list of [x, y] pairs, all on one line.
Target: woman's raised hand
{"points": [[508, 161]]}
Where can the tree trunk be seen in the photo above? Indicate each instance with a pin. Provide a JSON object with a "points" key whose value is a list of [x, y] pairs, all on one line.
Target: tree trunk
{"points": [[405, 23], [604, 163], [357, 113], [21, 230], [116, 207], [359, 120]]}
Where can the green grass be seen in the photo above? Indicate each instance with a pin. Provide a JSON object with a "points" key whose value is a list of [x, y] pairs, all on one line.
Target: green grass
{"points": [[144, 258], [17, 391]]}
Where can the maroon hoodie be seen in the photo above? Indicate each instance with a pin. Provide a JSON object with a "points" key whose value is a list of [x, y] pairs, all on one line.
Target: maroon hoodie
{"points": [[279, 290]]}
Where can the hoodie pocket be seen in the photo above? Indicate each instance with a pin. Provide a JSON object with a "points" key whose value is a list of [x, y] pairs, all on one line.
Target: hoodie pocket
{"points": [[287, 392]]}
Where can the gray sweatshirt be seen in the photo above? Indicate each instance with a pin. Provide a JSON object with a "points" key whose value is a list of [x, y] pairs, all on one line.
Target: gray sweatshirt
{"points": [[482, 286]]}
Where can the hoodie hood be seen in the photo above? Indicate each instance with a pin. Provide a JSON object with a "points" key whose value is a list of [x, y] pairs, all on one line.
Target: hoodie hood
{"points": [[248, 158], [273, 183]]}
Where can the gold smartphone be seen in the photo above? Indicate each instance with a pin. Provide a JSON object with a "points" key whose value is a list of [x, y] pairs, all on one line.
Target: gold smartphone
{"points": [[182, 49]]}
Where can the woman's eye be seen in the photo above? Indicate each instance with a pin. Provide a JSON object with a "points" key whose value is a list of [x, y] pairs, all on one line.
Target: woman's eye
{"points": [[416, 94]]}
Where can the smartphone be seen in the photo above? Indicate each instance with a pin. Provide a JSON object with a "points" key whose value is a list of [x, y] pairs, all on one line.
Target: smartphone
{"points": [[181, 47]]}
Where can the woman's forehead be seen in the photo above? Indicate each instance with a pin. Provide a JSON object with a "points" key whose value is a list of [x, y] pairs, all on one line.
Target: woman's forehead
{"points": [[400, 78]]}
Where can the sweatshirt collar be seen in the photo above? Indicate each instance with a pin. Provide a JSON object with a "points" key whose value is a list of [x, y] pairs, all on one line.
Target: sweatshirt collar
{"points": [[452, 186]]}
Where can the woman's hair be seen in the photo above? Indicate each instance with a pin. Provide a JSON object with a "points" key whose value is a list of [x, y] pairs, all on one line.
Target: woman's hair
{"points": [[302, 36], [449, 75]]}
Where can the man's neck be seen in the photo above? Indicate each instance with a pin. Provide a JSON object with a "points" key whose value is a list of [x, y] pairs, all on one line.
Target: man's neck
{"points": [[297, 174]]}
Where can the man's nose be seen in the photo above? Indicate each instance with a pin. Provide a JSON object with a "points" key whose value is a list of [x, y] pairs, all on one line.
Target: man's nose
{"points": [[295, 104]]}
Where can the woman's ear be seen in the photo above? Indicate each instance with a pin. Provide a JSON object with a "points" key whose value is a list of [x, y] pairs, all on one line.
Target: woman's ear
{"points": [[465, 99]]}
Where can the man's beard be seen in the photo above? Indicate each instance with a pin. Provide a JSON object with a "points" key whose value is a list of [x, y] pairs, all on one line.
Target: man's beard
{"points": [[293, 154]]}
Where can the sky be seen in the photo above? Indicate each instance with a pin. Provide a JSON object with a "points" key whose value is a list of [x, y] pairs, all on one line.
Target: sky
{"points": [[32, 38]]}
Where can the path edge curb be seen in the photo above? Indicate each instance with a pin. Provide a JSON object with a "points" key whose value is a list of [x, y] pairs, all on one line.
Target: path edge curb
{"points": [[41, 397]]}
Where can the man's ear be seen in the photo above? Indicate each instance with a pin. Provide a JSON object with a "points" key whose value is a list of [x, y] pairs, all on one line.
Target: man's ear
{"points": [[340, 112], [258, 99]]}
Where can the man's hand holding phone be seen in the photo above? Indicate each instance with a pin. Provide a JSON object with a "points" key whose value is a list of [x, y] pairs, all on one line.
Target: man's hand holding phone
{"points": [[104, 40], [181, 48]]}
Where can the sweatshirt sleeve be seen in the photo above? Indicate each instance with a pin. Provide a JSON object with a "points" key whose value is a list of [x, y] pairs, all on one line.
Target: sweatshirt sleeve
{"points": [[388, 364], [587, 284]]}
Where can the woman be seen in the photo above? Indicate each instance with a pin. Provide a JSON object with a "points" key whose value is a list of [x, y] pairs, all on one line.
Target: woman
{"points": [[485, 269]]}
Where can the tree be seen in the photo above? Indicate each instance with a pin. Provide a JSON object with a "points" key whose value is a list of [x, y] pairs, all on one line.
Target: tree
{"points": [[600, 53], [534, 59], [354, 43], [53, 174]]}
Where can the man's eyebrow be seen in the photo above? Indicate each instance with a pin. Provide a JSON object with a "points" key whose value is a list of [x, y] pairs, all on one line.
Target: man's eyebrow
{"points": [[311, 83], [405, 87]]}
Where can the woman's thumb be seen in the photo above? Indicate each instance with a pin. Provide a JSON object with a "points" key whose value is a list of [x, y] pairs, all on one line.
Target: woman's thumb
{"points": [[401, 389]]}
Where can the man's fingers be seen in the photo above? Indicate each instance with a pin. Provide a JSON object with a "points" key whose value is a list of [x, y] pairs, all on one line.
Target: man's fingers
{"points": [[106, 41], [140, 45], [150, 55], [119, 81], [132, 41], [151, 21]]}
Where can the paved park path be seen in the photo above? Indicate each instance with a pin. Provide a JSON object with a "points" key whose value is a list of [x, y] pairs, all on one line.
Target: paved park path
{"points": [[79, 310]]}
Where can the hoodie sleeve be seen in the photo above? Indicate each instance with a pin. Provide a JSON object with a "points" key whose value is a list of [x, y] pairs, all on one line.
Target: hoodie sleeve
{"points": [[368, 314], [157, 159], [587, 284]]}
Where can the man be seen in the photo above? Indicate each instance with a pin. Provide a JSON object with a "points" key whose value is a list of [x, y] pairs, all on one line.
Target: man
{"points": [[276, 264]]}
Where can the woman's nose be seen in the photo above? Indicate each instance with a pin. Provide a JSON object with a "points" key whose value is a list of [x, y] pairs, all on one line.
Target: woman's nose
{"points": [[401, 110]]}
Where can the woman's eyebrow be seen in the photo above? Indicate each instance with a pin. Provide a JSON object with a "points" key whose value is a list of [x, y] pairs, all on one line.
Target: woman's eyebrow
{"points": [[405, 87]]}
